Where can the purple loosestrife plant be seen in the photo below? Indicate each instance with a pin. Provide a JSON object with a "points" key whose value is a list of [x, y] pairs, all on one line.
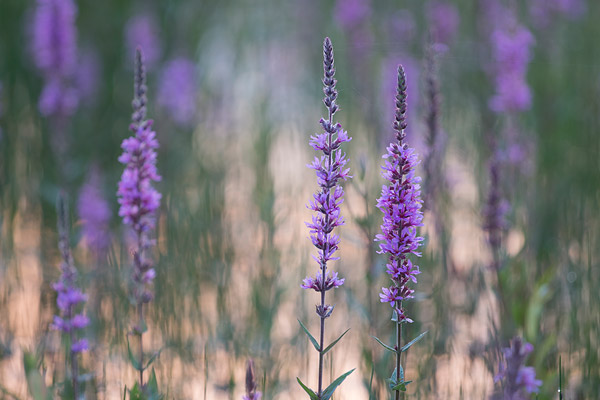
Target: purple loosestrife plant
{"points": [[69, 298], [401, 204], [251, 392], [139, 200], [330, 168], [518, 381]]}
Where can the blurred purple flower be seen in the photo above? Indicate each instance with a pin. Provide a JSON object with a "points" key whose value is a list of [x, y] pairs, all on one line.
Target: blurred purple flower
{"points": [[511, 47], [401, 204], [177, 91], [543, 11], [87, 76], [353, 17], [351, 13], [330, 168], [95, 213], [58, 99], [137, 197], [519, 380], [54, 47], [55, 37], [402, 28], [443, 20], [142, 31]]}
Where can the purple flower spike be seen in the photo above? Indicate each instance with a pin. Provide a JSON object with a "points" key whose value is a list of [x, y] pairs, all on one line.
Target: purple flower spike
{"points": [[401, 204], [137, 197], [330, 170], [139, 200], [519, 380]]}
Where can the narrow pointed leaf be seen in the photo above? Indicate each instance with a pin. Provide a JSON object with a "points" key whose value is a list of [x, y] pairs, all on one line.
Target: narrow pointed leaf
{"points": [[415, 340], [308, 390], [334, 342], [152, 358], [400, 386], [311, 337], [136, 393], [133, 360], [384, 345], [328, 392]]}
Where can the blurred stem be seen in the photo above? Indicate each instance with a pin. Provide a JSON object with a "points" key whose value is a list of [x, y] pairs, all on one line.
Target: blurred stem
{"points": [[141, 322], [140, 305], [73, 357], [322, 339]]}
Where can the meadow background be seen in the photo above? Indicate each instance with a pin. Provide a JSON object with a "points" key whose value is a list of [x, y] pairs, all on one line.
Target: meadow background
{"points": [[235, 93]]}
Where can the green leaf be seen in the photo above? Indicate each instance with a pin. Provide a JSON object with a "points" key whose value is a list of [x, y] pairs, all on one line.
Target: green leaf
{"points": [[136, 393], [415, 340], [535, 308], [400, 386], [393, 350], [328, 392], [311, 337], [134, 361], [152, 387], [151, 360], [308, 390], [334, 342], [35, 381]]}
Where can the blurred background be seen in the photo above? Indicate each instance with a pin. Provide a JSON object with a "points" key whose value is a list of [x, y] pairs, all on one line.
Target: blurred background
{"points": [[235, 92]]}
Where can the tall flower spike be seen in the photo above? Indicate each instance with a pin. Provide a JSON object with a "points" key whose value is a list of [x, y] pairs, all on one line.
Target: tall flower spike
{"points": [[330, 169], [139, 200], [69, 296], [401, 204]]}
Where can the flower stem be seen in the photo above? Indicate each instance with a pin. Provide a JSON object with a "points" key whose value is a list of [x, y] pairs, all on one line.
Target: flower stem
{"points": [[398, 347], [141, 322]]}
